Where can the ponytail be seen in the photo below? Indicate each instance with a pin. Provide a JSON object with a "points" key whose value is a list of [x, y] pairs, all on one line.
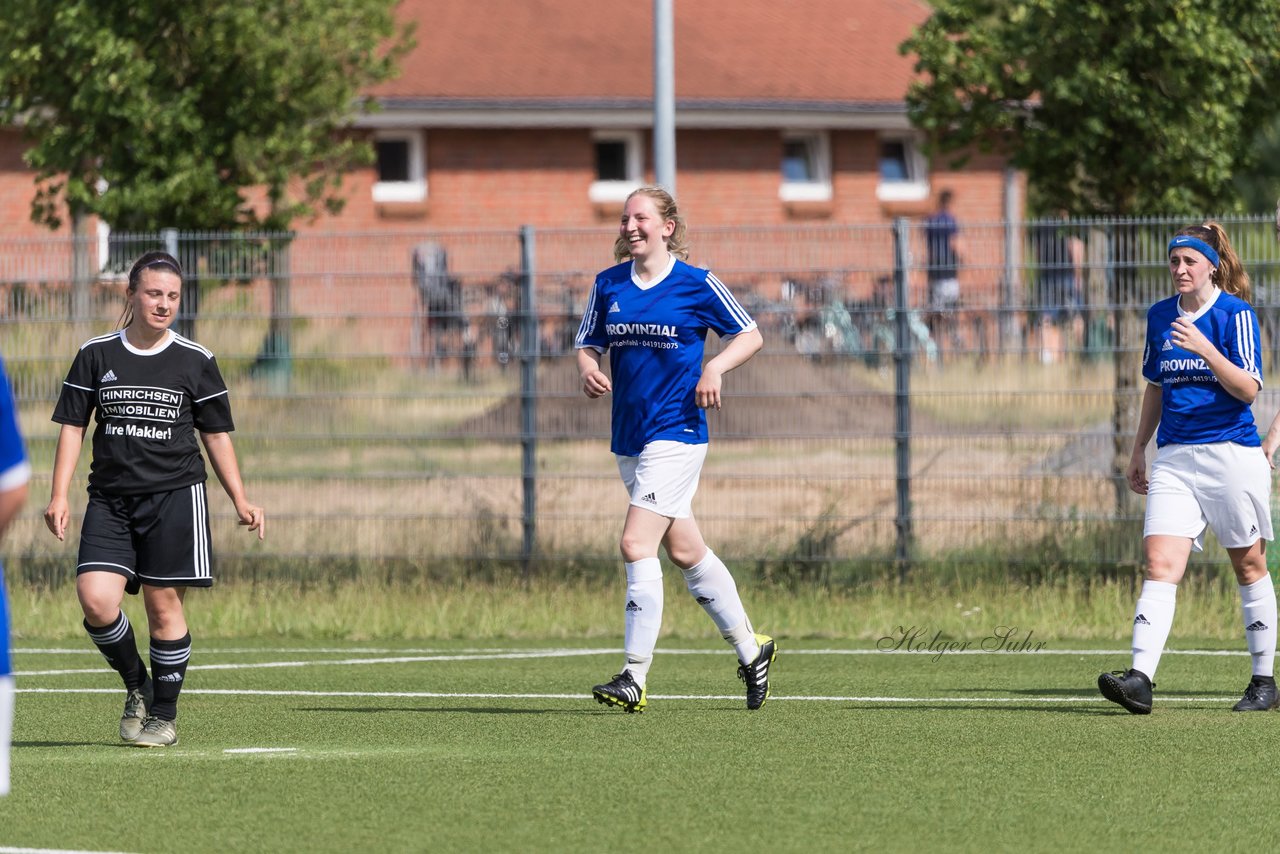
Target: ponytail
{"points": [[1230, 276]]}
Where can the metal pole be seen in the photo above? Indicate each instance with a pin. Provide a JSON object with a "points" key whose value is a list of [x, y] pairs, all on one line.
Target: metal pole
{"points": [[664, 95], [189, 304], [529, 352], [902, 396], [1012, 259]]}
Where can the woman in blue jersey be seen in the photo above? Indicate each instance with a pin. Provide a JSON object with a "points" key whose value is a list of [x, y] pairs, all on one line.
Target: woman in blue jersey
{"points": [[1201, 365], [651, 312], [146, 525], [15, 471]]}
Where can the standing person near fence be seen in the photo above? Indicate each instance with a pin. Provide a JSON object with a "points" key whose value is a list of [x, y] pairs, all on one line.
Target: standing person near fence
{"points": [[943, 251], [1203, 372], [15, 472], [1059, 261], [146, 525], [651, 312]]}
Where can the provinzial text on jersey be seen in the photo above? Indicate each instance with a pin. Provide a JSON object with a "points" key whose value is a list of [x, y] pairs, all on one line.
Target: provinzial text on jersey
{"points": [[1172, 366], [620, 329]]}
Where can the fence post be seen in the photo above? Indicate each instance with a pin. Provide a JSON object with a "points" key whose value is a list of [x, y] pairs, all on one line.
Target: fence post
{"points": [[1010, 284], [81, 265], [189, 304], [529, 346], [902, 396]]}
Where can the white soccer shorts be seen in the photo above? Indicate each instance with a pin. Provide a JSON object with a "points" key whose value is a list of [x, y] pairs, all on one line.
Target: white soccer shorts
{"points": [[664, 477], [1224, 486]]}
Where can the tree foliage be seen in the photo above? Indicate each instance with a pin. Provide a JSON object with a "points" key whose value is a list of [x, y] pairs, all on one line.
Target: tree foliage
{"points": [[1112, 107], [198, 115]]}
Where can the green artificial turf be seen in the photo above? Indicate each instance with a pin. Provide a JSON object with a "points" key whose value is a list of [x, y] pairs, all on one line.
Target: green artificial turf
{"points": [[470, 747]]}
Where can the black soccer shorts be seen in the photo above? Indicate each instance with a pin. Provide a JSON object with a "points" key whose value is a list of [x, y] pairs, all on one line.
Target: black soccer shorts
{"points": [[161, 538]]}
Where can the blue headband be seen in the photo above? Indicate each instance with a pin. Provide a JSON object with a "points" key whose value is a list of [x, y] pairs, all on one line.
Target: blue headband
{"points": [[1197, 244]]}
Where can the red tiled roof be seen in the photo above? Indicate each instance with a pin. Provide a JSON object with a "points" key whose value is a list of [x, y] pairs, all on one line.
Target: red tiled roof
{"points": [[725, 50]]}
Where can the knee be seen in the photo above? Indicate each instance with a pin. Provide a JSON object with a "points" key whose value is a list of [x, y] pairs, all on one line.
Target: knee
{"points": [[164, 616], [1252, 568], [100, 604], [686, 555], [635, 548], [1160, 568]]}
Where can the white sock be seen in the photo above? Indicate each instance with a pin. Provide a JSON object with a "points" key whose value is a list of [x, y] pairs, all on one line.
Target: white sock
{"points": [[1152, 620], [644, 616], [1258, 608], [714, 589]]}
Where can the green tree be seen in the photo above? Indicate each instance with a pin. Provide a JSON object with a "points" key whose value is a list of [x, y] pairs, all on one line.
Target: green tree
{"points": [[1112, 108], [209, 115], [154, 114]]}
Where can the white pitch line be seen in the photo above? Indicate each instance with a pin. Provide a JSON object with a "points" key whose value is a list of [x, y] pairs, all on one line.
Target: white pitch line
{"points": [[51, 851], [442, 654], [571, 653], [399, 659], [261, 750], [462, 695]]}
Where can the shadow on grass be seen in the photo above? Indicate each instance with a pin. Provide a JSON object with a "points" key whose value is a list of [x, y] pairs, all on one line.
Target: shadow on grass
{"points": [[957, 707], [1083, 688], [68, 744], [475, 710]]}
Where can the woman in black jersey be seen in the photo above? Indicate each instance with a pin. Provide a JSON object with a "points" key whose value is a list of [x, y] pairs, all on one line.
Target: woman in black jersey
{"points": [[146, 525]]}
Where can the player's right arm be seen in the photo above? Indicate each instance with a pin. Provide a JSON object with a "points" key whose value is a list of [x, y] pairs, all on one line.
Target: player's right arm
{"points": [[1148, 420], [57, 514], [594, 381], [591, 343]]}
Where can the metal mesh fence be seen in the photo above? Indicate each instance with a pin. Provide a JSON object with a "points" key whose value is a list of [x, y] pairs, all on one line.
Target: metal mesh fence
{"points": [[385, 387]]}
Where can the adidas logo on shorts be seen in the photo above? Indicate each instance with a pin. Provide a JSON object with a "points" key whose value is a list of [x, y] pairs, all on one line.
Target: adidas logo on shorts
{"points": [[652, 498], [632, 606], [1141, 621], [108, 377], [1256, 626]]}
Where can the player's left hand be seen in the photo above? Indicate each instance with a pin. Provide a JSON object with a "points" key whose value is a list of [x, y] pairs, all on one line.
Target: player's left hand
{"points": [[1269, 446], [255, 518], [1188, 336], [707, 393]]}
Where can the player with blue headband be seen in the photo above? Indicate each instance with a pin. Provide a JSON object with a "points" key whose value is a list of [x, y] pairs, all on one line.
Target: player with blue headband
{"points": [[1201, 364]]}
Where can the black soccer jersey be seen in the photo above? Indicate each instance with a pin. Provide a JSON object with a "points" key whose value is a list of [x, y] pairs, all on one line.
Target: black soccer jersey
{"points": [[149, 403]]}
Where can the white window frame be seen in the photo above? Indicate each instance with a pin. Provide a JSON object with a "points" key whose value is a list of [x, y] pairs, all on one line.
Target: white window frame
{"points": [[617, 191], [916, 187], [819, 189], [415, 189]]}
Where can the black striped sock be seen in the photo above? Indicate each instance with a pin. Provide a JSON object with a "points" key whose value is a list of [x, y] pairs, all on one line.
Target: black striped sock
{"points": [[168, 669], [120, 649]]}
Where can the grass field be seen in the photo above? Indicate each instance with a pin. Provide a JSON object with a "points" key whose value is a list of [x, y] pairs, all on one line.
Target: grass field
{"points": [[457, 746]]}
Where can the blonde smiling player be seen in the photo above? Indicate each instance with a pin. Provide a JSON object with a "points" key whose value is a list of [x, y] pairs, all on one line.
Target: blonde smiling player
{"points": [[651, 314]]}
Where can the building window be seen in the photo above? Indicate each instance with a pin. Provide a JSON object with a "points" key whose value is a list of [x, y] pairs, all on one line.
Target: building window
{"points": [[618, 165], [904, 175], [806, 168], [401, 166]]}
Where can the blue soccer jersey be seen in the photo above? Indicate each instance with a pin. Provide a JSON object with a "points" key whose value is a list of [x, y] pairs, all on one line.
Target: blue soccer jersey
{"points": [[654, 333], [14, 472], [1195, 408]]}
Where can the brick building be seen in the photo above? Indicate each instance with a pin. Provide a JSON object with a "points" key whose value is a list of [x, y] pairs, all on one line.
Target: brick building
{"points": [[539, 112]]}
